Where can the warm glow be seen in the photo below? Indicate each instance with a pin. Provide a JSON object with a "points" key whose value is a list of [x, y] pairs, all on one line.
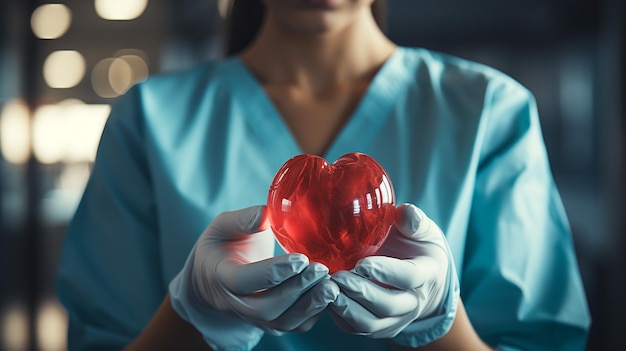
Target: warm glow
{"points": [[138, 66], [84, 125], [224, 6], [120, 10], [70, 102], [15, 132], [51, 21], [14, 328], [100, 79], [68, 132], [64, 69], [51, 327], [111, 77], [48, 143], [120, 75], [73, 178]]}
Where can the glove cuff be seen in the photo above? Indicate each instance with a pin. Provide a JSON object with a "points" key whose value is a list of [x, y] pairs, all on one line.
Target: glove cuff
{"points": [[425, 331], [220, 331]]}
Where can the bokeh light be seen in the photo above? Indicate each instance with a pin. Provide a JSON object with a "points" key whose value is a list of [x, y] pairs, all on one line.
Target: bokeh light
{"points": [[113, 76], [100, 79], [15, 132], [64, 69], [120, 10], [14, 325], [224, 6], [51, 21], [120, 75], [68, 132], [51, 327], [138, 65], [84, 126], [48, 143]]}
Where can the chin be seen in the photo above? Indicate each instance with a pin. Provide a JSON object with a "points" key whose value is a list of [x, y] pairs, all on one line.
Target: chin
{"points": [[321, 3], [313, 28], [316, 22], [316, 16]]}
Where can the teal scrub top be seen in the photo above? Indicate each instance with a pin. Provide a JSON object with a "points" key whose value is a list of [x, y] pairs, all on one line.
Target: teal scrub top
{"points": [[460, 140]]}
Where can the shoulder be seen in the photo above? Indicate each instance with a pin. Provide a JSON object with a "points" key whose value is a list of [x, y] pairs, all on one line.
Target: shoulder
{"points": [[454, 75], [182, 83], [469, 92], [167, 100]]}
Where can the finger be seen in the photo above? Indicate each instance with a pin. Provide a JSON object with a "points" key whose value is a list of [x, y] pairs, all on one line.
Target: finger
{"points": [[245, 278], [308, 324], [233, 224], [411, 234], [413, 223], [340, 322], [381, 301], [401, 274], [307, 308], [409, 219], [267, 305], [353, 316]]}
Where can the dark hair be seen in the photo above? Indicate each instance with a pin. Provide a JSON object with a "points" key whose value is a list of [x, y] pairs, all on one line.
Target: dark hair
{"points": [[244, 19]]}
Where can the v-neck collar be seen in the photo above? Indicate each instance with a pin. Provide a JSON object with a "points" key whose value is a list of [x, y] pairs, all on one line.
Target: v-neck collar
{"points": [[361, 127]]}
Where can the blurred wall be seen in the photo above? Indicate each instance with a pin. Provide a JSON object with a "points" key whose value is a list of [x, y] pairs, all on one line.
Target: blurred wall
{"points": [[570, 54]]}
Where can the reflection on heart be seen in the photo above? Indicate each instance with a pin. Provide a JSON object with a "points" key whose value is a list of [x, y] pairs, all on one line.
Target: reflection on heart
{"points": [[334, 213]]}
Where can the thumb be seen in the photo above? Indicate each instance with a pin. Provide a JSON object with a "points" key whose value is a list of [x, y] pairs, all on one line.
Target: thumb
{"points": [[232, 225], [417, 227], [412, 222]]}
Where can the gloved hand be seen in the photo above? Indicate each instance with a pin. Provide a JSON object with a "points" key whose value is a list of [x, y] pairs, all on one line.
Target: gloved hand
{"points": [[232, 288], [409, 291]]}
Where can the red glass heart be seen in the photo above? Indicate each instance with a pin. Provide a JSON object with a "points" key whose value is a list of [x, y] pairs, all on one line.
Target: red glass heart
{"points": [[336, 213]]}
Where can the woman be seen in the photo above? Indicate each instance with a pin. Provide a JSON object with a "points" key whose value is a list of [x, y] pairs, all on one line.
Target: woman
{"points": [[142, 270]]}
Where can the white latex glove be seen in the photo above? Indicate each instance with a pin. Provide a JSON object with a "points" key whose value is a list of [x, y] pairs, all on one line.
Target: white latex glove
{"points": [[409, 291], [232, 288]]}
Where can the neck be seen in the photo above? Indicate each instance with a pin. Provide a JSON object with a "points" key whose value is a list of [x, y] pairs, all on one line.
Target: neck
{"points": [[317, 61]]}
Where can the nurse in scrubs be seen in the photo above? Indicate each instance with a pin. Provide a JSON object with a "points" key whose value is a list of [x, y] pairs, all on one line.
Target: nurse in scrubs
{"points": [[169, 248]]}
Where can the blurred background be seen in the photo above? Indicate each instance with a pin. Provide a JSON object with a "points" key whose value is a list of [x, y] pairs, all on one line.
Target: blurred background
{"points": [[63, 63]]}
